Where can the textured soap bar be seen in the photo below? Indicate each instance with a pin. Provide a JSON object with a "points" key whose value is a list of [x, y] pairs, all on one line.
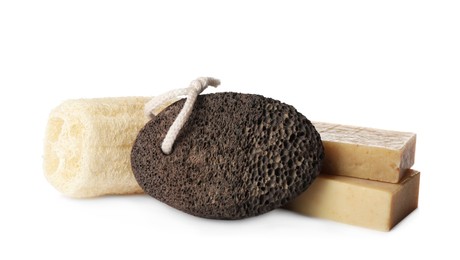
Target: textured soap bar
{"points": [[366, 203], [88, 143], [366, 153], [238, 155]]}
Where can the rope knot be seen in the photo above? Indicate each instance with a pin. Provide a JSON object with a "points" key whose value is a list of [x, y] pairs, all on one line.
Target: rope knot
{"points": [[157, 104]]}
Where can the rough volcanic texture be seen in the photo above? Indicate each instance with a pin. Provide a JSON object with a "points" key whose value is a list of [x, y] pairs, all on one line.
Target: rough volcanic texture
{"points": [[237, 156]]}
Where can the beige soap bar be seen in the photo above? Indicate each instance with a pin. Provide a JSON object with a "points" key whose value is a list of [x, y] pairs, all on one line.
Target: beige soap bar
{"points": [[365, 203], [366, 153]]}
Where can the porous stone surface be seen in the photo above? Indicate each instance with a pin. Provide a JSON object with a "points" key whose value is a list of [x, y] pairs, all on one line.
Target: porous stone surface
{"points": [[238, 155]]}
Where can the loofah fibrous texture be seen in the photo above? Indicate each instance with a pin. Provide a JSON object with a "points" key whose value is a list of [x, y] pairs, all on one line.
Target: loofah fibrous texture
{"points": [[238, 155], [88, 144]]}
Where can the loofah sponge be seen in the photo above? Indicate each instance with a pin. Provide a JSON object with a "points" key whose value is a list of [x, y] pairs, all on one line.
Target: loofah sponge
{"points": [[88, 143], [237, 156]]}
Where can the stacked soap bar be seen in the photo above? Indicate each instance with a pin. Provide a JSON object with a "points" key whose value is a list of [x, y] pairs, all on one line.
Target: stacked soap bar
{"points": [[366, 153], [366, 178]]}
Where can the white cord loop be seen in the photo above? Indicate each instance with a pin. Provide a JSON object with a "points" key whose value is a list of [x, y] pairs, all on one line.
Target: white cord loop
{"points": [[157, 104]]}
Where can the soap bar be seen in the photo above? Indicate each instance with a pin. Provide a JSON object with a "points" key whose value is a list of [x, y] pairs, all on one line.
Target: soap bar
{"points": [[366, 153], [88, 144], [365, 203]]}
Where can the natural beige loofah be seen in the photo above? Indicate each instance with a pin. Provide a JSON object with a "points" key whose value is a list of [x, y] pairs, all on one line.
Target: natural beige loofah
{"points": [[88, 144]]}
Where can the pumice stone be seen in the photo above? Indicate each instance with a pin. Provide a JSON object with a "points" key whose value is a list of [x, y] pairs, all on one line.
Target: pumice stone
{"points": [[237, 156]]}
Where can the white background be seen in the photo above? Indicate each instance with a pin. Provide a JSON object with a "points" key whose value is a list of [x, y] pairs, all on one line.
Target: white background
{"points": [[384, 64]]}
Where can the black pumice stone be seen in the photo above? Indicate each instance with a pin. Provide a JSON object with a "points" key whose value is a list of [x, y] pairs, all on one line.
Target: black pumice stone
{"points": [[238, 155]]}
